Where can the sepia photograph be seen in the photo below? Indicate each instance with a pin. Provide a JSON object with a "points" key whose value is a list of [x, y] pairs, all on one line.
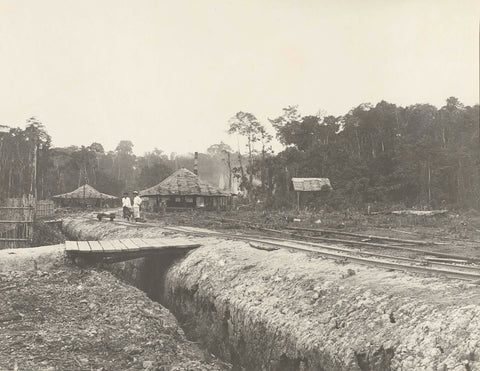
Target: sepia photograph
{"points": [[255, 185]]}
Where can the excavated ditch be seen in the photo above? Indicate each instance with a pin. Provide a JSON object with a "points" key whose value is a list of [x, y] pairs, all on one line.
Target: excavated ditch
{"points": [[279, 310]]}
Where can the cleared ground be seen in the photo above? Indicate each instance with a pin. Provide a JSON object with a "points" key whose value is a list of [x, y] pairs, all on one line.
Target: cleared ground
{"points": [[294, 310], [55, 316]]}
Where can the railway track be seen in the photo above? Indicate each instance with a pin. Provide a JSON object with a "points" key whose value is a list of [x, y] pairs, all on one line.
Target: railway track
{"points": [[419, 266], [363, 241]]}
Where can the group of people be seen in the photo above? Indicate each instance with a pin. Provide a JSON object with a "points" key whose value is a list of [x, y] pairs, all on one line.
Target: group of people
{"points": [[131, 211]]}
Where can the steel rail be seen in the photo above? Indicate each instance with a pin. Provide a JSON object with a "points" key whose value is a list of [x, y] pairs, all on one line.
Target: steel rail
{"points": [[360, 252], [367, 253], [378, 238], [392, 247], [377, 263], [362, 243]]}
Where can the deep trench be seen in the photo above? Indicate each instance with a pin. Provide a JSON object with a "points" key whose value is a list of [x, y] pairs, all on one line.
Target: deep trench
{"points": [[199, 318], [201, 321], [203, 324], [148, 275]]}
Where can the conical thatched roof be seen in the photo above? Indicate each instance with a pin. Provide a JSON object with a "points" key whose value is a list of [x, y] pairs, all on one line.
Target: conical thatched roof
{"points": [[86, 191], [183, 183]]}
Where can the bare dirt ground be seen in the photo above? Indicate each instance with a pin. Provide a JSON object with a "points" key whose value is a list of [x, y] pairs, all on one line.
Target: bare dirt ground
{"points": [[458, 233], [281, 307], [60, 317], [460, 226], [67, 318]]}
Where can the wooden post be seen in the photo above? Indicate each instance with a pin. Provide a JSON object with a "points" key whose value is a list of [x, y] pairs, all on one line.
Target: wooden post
{"points": [[298, 201]]}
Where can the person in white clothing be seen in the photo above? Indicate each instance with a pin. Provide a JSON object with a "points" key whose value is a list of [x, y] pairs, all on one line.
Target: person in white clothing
{"points": [[127, 206], [137, 201]]}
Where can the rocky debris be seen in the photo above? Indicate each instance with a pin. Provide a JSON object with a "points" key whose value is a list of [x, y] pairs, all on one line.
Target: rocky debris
{"points": [[73, 319]]}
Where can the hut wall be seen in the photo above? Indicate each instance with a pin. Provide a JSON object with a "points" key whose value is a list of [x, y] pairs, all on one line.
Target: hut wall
{"points": [[85, 202], [158, 203], [187, 202]]}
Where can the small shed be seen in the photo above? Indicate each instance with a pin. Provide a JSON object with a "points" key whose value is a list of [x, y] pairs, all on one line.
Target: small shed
{"points": [[310, 185], [85, 195], [184, 189]]}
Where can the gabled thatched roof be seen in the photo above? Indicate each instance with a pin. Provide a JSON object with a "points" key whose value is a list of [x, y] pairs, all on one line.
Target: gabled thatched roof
{"points": [[86, 191], [183, 183], [310, 184]]}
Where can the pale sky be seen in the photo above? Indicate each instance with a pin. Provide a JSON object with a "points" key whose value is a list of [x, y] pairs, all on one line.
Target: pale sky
{"points": [[169, 74]]}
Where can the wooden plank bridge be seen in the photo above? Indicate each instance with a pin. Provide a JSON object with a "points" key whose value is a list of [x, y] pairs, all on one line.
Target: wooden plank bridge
{"points": [[111, 251]]}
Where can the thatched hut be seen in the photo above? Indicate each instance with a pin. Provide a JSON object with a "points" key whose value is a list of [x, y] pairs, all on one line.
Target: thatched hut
{"points": [[309, 185], [85, 195], [184, 189]]}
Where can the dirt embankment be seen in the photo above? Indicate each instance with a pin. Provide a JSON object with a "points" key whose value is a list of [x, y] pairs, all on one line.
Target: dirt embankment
{"points": [[293, 311], [296, 312], [55, 316]]}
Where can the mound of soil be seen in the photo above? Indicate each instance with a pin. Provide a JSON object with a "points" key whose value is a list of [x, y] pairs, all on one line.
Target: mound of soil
{"points": [[73, 319], [282, 310]]}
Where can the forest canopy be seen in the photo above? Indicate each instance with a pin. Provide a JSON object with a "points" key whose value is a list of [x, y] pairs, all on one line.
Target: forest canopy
{"points": [[417, 155]]}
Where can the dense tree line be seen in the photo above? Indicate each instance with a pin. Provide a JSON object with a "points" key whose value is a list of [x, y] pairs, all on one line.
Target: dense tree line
{"points": [[24, 159], [29, 165], [416, 156]]}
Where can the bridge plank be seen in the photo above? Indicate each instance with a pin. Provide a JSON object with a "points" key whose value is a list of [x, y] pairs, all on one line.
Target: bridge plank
{"points": [[108, 246], [140, 243], [179, 241], [155, 243], [83, 246], [130, 245], [175, 242], [118, 245], [159, 242], [95, 246], [71, 246], [147, 243]]}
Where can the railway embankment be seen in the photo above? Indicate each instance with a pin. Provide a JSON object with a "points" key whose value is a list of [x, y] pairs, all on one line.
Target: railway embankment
{"points": [[284, 310]]}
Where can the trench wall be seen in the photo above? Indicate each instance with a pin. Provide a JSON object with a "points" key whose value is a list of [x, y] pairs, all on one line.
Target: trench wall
{"points": [[291, 311]]}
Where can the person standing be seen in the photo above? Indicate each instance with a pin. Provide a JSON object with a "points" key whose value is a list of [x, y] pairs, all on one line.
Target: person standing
{"points": [[127, 206], [137, 201]]}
